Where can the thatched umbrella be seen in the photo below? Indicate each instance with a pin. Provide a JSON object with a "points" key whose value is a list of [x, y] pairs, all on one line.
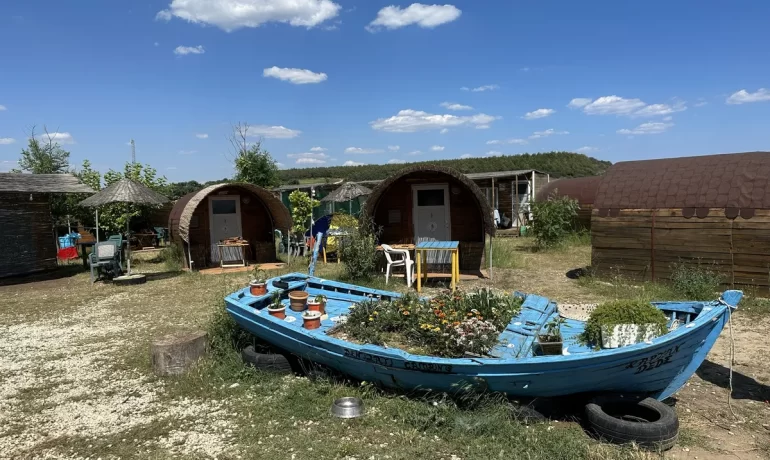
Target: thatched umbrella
{"points": [[347, 192], [125, 191]]}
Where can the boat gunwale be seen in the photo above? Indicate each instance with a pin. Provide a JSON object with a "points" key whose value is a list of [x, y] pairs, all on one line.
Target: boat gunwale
{"points": [[711, 311]]}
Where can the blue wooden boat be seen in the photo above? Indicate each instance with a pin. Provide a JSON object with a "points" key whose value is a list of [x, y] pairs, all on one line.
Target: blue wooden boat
{"points": [[657, 368]]}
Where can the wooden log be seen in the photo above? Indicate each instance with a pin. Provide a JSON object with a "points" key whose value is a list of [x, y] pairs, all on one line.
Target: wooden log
{"points": [[175, 354]]}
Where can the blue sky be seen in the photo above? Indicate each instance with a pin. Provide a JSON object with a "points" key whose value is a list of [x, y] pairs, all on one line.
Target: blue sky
{"points": [[371, 81]]}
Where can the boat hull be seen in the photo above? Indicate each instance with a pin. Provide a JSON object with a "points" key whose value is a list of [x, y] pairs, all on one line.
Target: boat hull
{"points": [[657, 369]]}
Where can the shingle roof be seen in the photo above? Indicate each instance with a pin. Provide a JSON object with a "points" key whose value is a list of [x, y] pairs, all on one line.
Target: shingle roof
{"points": [[734, 180], [582, 189], [42, 183]]}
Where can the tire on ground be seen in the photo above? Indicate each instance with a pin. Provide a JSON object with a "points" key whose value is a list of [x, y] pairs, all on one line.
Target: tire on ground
{"points": [[271, 362], [648, 422]]}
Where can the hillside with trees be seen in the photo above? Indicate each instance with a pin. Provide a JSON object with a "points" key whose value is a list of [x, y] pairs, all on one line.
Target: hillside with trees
{"points": [[558, 164]]}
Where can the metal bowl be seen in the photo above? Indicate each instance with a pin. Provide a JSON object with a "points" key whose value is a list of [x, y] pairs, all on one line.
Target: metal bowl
{"points": [[348, 407]]}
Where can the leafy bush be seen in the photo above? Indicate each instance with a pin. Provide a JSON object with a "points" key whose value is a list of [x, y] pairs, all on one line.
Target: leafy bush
{"points": [[622, 312], [451, 324], [358, 250], [696, 282], [553, 220], [173, 257], [301, 209]]}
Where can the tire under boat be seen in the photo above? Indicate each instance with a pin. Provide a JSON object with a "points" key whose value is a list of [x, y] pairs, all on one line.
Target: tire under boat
{"points": [[657, 368]]}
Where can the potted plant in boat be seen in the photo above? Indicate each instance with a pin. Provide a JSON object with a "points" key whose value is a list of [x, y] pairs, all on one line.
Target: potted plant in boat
{"points": [[317, 304], [258, 284], [551, 341], [298, 300], [311, 319], [276, 308], [624, 322]]}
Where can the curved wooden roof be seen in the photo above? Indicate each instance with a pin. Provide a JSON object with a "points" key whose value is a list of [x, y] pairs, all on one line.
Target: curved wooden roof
{"points": [[734, 180], [582, 189], [486, 210], [181, 214]]}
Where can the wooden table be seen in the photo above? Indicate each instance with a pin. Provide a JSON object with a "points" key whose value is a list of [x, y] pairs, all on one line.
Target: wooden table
{"points": [[243, 247], [425, 246], [408, 247]]}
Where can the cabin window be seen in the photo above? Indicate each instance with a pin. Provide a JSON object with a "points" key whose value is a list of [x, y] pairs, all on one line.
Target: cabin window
{"points": [[430, 197], [223, 206]]}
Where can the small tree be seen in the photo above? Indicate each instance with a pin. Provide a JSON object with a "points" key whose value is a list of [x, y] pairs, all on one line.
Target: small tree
{"points": [[44, 155], [358, 250], [301, 210], [253, 164], [553, 220]]}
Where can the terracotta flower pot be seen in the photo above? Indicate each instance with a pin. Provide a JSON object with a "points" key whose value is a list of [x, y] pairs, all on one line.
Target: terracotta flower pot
{"points": [[311, 319], [312, 305], [298, 300], [257, 289], [279, 312]]}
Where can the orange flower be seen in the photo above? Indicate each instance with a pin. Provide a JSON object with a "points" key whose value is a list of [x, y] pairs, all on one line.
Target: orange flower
{"points": [[406, 313]]}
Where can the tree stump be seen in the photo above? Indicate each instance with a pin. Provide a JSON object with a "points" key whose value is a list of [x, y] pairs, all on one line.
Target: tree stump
{"points": [[175, 354]]}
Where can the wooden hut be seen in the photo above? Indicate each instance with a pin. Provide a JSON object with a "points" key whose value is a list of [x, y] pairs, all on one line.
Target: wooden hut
{"points": [[581, 189], [434, 202], [27, 240], [199, 221], [511, 192], [712, 210]]}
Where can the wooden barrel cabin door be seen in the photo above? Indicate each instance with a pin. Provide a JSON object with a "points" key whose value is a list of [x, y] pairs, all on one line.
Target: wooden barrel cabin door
{"points": [[431, 218], [225, 212]]}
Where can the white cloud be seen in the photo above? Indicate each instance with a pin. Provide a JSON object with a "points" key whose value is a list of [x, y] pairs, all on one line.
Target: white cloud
{"points": [[579, 102], [444, 131], [539, 113], [586, 149], [494, 153], [231, 15], [700, 102], [437, 148], [396, 161], [359, 150], [187, 152], [310, 161], [546, 133], [185, 50], [415, 152], [2, 108], [481, 88], [507, 141], [313, 155], [296, 76], [56, 137], [7, 140], [410, 121], [318, 149], [466, 156], [647, 128], [352, 163], [482, 126], [668, 118], [7, 165], [394, 148], [272, 132], [202, 136], [743, 96], [656, 110], [613, 105], [454, 106], [425, 16]]}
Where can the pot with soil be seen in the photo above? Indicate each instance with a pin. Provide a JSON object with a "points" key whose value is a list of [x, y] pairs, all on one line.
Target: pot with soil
{"points": [[276, 308], [298, 300], [550, 342], [311, 319], [317, 304], [258, 285]]}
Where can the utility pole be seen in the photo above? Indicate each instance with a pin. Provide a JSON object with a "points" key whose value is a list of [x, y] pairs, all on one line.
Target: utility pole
{"points": [[133, 152]]}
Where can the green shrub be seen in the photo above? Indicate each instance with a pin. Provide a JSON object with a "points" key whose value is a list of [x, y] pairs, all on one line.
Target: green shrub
{"points": [[358, 250], [622, 312], [696, 282], [553, 220], [173, 257]]}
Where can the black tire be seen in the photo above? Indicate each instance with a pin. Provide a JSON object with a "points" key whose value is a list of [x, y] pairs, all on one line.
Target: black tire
{"points": [[132, 281], [647, 422], [270, 362]]}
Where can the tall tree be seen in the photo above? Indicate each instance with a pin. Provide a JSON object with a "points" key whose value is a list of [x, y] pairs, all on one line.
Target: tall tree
{"points": [[44, 155], [253, 164]]}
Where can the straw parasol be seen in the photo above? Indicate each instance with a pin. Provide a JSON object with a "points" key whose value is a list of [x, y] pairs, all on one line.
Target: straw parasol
{"points": [[125, 191], [347, 192]]}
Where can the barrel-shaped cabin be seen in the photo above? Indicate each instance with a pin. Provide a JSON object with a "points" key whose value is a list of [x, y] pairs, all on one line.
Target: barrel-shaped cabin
{"points": [[201, 221], [431, 202], [712, 211], [581, 189]]}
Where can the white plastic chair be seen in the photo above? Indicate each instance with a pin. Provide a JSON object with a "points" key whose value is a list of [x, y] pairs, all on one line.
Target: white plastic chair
{"points": [[403, 261]]}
